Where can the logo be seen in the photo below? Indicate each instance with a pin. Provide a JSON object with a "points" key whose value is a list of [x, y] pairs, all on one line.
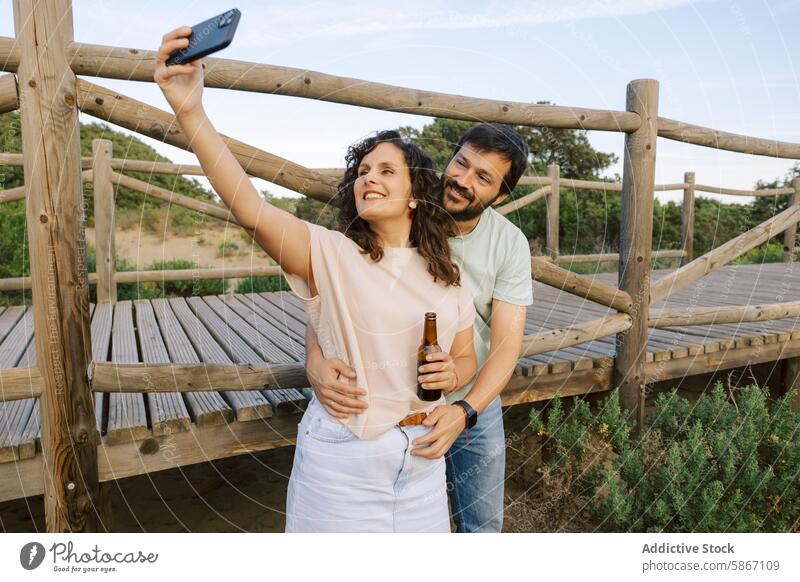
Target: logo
{"points": [[31, 555]]}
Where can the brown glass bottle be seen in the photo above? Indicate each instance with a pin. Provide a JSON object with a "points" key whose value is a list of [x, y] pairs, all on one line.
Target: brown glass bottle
{"points": [[430, 344]]}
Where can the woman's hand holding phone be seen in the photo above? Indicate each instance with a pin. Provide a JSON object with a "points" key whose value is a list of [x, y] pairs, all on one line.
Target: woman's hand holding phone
{"points": [[182, 85]]}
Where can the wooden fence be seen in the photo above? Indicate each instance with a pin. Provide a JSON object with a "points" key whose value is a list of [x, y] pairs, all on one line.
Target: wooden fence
{"points": [[45, 60]]}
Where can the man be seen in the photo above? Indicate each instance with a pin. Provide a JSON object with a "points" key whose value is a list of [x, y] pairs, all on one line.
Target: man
{"points": [[495, 261]]}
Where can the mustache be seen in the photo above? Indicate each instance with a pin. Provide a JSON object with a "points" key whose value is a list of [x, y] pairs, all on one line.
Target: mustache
{"points": [[460, 189]]}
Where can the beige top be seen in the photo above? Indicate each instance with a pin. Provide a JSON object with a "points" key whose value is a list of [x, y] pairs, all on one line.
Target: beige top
{"points": [[371, 315]]}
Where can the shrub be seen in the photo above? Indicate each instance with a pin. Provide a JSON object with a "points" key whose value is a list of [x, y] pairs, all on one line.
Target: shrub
{"points": [[724, 464], [262, 285], [227, 248]]}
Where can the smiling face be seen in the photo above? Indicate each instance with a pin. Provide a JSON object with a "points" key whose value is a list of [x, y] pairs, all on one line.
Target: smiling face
{"points": [[471, 182], [383, 184]]}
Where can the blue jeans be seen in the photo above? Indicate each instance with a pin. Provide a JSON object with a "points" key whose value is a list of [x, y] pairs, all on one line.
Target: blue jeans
{"points": [[476, 474]]}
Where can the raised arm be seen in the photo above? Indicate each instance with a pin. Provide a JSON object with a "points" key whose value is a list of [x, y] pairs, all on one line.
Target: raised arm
{"points": [[283, 236]]}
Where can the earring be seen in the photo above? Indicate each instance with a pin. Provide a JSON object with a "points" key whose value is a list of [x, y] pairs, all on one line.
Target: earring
{"points": [[412, 204]]}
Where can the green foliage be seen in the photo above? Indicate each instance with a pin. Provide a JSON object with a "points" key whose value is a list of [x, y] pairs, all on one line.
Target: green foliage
{"points": [[262, 285], [772, 252], [723, 464], [227, 248], [153, 290]]}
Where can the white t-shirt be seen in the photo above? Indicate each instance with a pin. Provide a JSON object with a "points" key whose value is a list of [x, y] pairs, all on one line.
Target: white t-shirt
{"points": [[371, 315], [495, 261]]}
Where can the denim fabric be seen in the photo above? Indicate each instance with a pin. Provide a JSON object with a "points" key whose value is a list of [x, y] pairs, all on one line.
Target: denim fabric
{"points": [[476, 474], [340, 483]]}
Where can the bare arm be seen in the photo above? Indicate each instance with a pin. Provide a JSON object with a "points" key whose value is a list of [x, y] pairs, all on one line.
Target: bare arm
{"points": [[337, 397], [508, 327], [283, 236]]}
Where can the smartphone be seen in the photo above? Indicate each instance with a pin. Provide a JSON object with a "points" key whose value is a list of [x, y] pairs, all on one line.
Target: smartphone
{"points": [[208, 37]]}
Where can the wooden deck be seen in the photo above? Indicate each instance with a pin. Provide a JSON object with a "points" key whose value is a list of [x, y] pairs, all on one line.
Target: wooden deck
{"points": [[151, 432]]}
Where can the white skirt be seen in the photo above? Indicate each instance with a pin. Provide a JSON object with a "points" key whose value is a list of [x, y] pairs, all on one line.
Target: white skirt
{"points": [[340, 483]]}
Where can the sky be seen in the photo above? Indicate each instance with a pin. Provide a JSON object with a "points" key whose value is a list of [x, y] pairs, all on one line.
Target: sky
{"points": [[730, 65]]}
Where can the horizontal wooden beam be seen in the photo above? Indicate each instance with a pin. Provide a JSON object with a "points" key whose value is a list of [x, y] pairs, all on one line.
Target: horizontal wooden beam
{"points": [[546, 272], [149, 167], [12, 194], [207, 208], [19, 383], [18, 193], [707, 363], [139, 65], [136, 378], [9, 98], [24, 478], [670, 317], [136, 116], [734, 192], [579, 333], [669, 187], [196, 274], [524, 389], [608, 257], [524, 200], [723, 254], [22, 283], [732, 142]]}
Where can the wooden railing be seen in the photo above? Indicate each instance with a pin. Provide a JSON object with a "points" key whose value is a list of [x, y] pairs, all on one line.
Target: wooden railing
{"points": [[45, 83], [100, 171]]}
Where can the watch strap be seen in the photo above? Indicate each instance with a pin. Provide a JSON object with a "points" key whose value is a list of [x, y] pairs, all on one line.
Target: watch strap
{"points": [[472, 415]]}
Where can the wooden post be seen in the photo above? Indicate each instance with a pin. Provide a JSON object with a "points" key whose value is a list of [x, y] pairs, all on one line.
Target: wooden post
{"points": [[687, 219], [636, 233], [104, 221], [54, 214], [554, 172], [790, 234]]}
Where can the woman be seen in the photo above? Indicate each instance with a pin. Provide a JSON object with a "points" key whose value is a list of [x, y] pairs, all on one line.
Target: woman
{"points": [[366, 290]]}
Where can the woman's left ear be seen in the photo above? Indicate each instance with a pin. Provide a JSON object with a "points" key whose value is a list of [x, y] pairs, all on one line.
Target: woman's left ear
{"points": [[412, 205]]}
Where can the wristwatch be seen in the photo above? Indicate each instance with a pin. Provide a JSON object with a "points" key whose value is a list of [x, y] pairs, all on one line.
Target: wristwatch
{"points": [[472, 415]]}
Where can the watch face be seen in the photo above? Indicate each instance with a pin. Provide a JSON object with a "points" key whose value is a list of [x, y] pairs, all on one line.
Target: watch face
{"points": [[473, 418]]}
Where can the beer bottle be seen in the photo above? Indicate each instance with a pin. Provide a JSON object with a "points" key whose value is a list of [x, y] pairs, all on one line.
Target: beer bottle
{"points": [[430, 344]]}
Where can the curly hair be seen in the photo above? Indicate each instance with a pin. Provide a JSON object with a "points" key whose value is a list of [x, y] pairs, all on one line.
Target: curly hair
{"points": [[430, 223]]}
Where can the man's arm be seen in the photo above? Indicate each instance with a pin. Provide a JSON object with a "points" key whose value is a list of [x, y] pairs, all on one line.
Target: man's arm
{"points": [[508, 327], [337, 397]]}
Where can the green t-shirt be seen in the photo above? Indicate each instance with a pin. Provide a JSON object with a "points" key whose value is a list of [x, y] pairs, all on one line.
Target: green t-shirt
{"points": [[495, 260]]}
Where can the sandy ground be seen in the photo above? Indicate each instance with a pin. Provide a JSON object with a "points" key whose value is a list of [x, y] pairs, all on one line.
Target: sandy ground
{"points": [[141, 247]]}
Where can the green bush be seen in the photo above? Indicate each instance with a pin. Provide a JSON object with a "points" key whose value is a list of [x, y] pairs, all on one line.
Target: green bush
{"points": [[157, 289], [227, 248], [723, 464], [772, 252], [262, 285]]}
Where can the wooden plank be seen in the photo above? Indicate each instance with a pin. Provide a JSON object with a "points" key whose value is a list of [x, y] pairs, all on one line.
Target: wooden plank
{"points": [[9, 318], [287, 325], [102, 321], [205, 408], [24, 478], [266, 349], [168, 412], [14, 415], [248, 405], [29, 439], [127, 417], [251, 313]]}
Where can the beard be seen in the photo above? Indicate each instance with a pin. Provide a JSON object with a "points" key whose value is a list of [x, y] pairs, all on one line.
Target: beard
{"points": [[473, 209]]}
